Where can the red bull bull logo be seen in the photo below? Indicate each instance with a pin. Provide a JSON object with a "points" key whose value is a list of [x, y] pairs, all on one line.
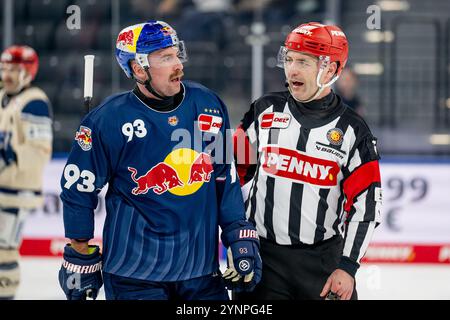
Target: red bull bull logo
{"points": [[167, 30], [160, 178], [84, 138], [181, 173], [173, 121], [201, 169], [126, 38]]}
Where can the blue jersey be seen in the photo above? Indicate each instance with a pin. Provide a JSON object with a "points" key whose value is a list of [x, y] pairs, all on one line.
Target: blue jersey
{"points": [[168, 188]]}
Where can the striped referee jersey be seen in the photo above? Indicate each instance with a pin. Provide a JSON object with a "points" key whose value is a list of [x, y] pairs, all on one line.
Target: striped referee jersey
{"points": [[314, 173]]}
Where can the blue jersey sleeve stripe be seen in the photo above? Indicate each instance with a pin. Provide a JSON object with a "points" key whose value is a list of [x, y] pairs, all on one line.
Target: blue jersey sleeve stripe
{"points": [[38, 108]]}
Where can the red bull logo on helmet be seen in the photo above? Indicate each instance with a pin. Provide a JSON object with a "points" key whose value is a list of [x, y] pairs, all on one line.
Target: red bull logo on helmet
{"points": [[84, 138], [126, 38], [167, 30], [181, 173]]}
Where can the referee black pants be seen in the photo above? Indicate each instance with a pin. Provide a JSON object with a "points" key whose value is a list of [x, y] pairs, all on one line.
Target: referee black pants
{"points": [[295, 272]]}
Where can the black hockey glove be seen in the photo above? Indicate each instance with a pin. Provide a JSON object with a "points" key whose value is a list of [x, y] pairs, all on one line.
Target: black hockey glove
{"points": [[80, 275], [244, 262]]}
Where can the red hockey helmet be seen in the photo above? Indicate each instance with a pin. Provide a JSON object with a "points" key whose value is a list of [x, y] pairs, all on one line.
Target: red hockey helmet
{"points": [[319, 40], [23, 55]]}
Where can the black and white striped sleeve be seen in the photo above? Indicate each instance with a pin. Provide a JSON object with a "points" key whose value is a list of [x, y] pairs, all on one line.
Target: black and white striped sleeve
{"points": [[362, 189]]}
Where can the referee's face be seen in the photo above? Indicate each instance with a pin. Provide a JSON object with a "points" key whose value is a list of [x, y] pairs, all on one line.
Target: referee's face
{"points": [[301, 72]]}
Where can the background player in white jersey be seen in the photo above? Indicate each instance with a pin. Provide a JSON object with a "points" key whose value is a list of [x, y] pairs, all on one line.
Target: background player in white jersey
{"points": [[166, 198], [25, 149], [315, 194]]}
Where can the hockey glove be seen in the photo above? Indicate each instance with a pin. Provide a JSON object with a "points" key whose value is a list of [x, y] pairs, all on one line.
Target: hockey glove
{"points": [[80, 275], [244, 262], [7, 154]]}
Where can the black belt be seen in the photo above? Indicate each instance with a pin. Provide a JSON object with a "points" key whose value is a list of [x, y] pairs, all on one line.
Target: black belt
{"points": [[301, 245]]}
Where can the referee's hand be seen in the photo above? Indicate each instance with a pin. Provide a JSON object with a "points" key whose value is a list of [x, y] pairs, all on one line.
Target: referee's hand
{"points": [[341, 283]]}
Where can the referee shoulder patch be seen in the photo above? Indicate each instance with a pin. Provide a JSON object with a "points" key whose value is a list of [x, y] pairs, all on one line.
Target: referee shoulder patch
{"points": [[277, 120]]}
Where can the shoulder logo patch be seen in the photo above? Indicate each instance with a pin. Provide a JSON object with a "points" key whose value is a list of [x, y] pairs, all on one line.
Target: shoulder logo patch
{"points": [[278, 120], [84, 138], [335, 136]]}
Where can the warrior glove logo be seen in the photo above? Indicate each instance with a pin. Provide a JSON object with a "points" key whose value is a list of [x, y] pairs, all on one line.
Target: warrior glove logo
{"points": [[244, 265]]}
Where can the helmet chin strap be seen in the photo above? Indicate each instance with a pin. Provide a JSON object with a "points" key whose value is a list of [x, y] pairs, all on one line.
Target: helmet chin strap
{"points": [[320, 87], [148, 85], [142, 60]]}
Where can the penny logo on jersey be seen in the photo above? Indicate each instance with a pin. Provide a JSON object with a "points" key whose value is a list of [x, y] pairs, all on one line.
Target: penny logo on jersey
{"points": [[181, 173], [84, 138], [297, 166]]}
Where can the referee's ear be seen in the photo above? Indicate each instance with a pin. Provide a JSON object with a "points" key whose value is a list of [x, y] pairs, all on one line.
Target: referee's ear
{"points": [[331, 71]]}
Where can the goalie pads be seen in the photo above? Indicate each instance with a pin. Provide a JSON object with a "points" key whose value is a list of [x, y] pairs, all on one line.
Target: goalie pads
{"points": [[9, 274]]}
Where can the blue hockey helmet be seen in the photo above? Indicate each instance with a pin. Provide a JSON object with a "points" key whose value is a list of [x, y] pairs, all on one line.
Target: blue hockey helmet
{"points": [[136, 42]]}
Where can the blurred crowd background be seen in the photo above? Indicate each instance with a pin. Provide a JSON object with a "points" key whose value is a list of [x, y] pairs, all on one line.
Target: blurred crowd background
{"points": [[398, 72]]}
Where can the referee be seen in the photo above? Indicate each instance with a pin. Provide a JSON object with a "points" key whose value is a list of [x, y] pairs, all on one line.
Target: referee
{"points": [[312, 164]]}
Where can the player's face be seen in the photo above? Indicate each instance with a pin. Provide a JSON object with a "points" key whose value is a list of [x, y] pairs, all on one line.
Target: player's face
{"points": [[10, 77], [301, 72], [166, 70]]}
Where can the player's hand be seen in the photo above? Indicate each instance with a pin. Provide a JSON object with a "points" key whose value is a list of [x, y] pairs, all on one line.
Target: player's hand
{"points": [[7, 154], [80, 275], [340, 283], [244, 262]]}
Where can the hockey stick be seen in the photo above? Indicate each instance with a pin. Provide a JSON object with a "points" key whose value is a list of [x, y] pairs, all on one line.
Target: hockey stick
{"points": [[88, 94], [88, 81]]}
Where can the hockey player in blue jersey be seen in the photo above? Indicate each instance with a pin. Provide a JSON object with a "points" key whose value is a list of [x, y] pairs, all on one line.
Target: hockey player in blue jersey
{"points": [[169, 189]]}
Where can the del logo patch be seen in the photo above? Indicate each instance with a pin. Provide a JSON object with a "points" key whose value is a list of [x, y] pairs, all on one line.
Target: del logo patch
{"points": [[209, 123], [84, 138], [275, 120]]}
